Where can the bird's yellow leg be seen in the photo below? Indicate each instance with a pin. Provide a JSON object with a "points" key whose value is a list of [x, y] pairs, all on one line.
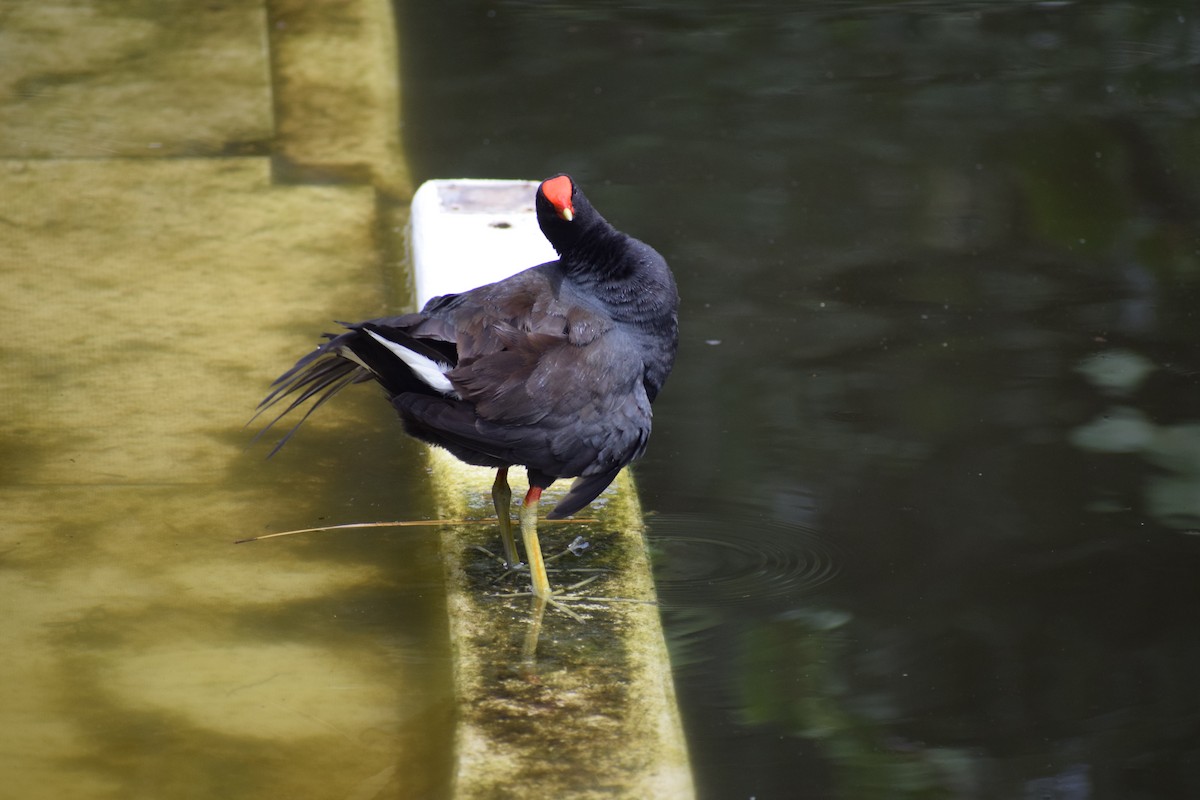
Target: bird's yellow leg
{"points": [[533, 550], [502, 500]]}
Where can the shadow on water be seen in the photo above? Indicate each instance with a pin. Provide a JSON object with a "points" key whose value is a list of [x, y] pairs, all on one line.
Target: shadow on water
{"points": [[940, 267]]}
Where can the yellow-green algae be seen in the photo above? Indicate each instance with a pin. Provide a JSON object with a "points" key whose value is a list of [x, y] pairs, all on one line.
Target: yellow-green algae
{"points": [[144, 302]]}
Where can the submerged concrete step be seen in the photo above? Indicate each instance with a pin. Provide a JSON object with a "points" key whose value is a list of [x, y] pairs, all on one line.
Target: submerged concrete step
{"points": [[134, 80], [145, 305]]}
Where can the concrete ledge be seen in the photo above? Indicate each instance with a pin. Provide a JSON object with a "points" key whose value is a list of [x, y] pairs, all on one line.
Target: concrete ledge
{"points": [[553, 706], [470, 232], [572, 703]]}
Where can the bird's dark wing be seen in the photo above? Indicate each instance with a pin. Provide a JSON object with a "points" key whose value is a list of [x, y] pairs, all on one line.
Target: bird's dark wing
{"points": [[544, 378], [546, 367], [524, 349]]}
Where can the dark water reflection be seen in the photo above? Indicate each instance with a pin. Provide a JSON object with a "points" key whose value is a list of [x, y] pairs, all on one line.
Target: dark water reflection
{"points": [[929, 466]]}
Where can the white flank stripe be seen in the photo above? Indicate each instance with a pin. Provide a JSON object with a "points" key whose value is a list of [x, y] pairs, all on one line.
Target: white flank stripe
{"points": [[428, 370]]}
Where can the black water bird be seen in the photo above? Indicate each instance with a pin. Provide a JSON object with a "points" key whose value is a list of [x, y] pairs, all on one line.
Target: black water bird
{"points": [[553, 368]]}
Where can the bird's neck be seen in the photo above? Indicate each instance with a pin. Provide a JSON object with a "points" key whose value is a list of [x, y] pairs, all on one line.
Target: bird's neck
{"points": [[635, 291], [598, 254]]}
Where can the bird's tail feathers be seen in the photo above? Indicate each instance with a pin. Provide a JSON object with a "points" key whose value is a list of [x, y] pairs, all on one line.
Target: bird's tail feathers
{"points": [[321, 374]]}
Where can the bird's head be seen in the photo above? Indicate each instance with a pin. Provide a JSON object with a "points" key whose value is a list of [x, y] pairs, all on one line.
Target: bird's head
{"points": [[565, 216], [559, 192]]}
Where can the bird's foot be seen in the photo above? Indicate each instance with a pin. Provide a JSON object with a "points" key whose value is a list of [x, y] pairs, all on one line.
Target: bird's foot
{"points": [[575, 548], [560, 598]]}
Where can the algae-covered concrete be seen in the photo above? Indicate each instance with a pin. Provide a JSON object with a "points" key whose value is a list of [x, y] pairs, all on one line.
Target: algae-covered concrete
{"points": [[189, 194], [338, 107], [126, 79], [143, 303], [570, 701]]}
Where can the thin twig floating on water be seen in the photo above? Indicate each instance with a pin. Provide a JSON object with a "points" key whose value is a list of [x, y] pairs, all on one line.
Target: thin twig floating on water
{"points": [[415, 523]]}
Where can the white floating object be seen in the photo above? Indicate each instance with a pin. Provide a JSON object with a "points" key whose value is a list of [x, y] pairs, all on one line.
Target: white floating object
{"points": [[469, 232]]}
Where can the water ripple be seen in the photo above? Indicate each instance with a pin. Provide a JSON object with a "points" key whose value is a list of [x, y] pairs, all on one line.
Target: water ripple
{"points": [[732, 563]]}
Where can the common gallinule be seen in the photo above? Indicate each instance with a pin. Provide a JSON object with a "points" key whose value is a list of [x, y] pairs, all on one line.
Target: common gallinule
{"points": [[554, 368]]}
